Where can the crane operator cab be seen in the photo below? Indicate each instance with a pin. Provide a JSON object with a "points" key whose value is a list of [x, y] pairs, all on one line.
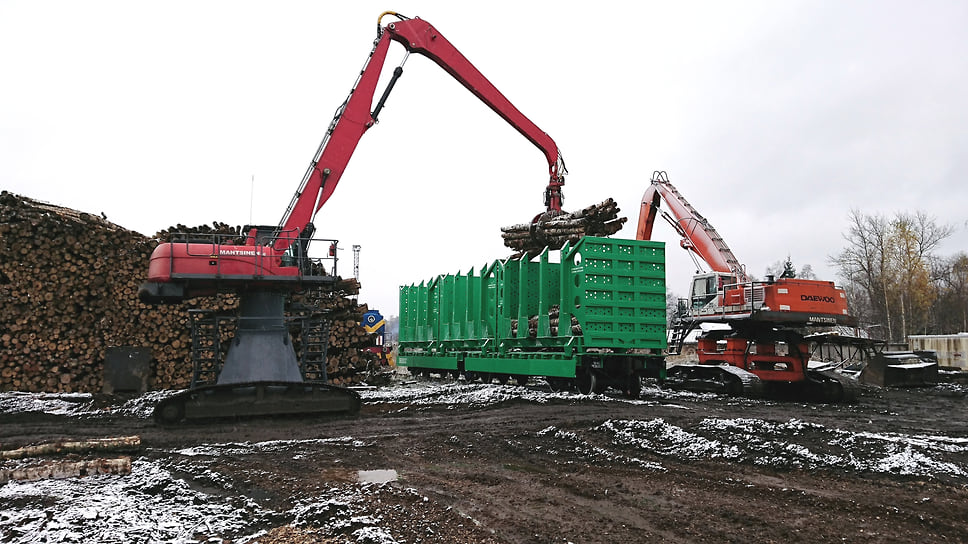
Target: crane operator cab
{"points": [[706, 295]]}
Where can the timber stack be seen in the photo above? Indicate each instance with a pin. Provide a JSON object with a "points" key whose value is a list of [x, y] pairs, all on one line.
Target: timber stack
{"points": [[553, 230], [69, 282]]}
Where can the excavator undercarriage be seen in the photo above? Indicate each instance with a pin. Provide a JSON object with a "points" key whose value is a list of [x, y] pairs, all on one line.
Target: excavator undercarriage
{"points": [[246, 364], [754, 359]]}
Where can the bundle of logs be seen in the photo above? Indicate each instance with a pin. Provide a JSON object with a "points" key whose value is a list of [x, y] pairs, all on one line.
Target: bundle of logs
{"points": [[69, 282], [553, 230], [553, 320]]}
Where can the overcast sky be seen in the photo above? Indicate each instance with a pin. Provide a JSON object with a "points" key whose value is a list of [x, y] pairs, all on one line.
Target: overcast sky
{"points": [[774, 119]]}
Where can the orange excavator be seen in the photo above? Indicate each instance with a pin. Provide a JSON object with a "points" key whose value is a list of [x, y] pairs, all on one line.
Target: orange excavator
{"points": [[757, 346]]}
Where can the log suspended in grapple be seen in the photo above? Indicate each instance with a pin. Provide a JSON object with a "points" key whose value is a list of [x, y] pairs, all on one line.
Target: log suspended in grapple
{"points": [[554, 228]]}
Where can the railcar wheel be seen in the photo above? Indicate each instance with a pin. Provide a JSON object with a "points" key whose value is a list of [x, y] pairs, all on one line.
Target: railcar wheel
{"points": [[485, 377], [521, 379], [503, 378], [587, 382]]}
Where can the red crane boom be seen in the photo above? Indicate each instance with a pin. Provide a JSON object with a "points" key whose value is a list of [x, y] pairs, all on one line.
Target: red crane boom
{"points": [[354, 118], [261, 373], [698, 235]]}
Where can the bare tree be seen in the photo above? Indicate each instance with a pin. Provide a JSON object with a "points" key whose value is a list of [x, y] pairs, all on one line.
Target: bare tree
{"points": [[889, 262], [861, 265]]}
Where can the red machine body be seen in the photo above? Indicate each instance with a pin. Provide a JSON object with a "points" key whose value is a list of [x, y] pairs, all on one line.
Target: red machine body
{"points": [[763, 316], [276, 256], [726, 293]]}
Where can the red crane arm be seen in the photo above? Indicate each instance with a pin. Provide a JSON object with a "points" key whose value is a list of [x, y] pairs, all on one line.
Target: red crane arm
{"points": [[698, 235], [354, 117], [421, 37]]}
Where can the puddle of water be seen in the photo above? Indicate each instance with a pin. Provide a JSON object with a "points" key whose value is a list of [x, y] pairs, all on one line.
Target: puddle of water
{"points": [[377, 476]]}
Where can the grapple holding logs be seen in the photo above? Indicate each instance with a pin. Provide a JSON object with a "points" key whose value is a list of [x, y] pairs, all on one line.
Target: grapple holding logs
{"points": [[553, 229]]}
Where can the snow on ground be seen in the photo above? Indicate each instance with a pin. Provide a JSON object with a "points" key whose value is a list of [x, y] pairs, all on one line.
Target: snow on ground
{"points": [[78, 404], [65, 404], [153, 505], [453, 394], [148, 505], [767, 443]]}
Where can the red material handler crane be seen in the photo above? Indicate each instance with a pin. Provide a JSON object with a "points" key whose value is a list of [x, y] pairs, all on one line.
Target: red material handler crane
{"points": [[273, 261], [762, 348], [179, 271]]}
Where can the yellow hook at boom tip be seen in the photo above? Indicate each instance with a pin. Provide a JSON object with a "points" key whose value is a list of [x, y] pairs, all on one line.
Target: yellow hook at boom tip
{"points": [[379, 20]]}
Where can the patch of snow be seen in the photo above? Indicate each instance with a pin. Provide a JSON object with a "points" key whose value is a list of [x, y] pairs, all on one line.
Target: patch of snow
{"points": [[63, 404], [581, 448], [775, 444], [147, 505], [152, 505], [267, 446]]}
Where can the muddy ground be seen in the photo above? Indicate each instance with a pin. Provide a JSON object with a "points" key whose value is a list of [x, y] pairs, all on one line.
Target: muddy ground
{"points": [[442, 461]]}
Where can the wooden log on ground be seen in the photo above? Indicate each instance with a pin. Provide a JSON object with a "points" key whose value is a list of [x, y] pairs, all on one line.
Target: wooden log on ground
{"points": [[121, 443], [67, 469]]}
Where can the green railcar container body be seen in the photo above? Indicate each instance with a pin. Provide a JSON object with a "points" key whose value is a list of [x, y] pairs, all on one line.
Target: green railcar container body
{"points": [[614, 288]]}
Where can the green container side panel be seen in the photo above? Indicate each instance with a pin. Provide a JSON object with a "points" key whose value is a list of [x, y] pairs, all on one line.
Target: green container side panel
{"points": [[461, 306], [615, 289], [418, 309], [409, 313], [446, 307], [487, 322], [559, 366], [508, 295], [440, 362]]}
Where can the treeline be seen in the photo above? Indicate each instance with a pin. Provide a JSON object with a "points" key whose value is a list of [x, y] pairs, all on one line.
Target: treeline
{"points": [[897, 283]]}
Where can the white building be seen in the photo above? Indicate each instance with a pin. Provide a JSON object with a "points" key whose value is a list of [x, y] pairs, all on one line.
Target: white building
{"points": [[952, 349]]}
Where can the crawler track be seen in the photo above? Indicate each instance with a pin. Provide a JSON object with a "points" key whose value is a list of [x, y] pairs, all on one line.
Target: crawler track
{"points": [[256, 399]]}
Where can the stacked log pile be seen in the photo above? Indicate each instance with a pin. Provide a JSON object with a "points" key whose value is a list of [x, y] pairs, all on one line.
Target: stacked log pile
{"points": [[347, 362], [554, 230], [68, 285]]}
